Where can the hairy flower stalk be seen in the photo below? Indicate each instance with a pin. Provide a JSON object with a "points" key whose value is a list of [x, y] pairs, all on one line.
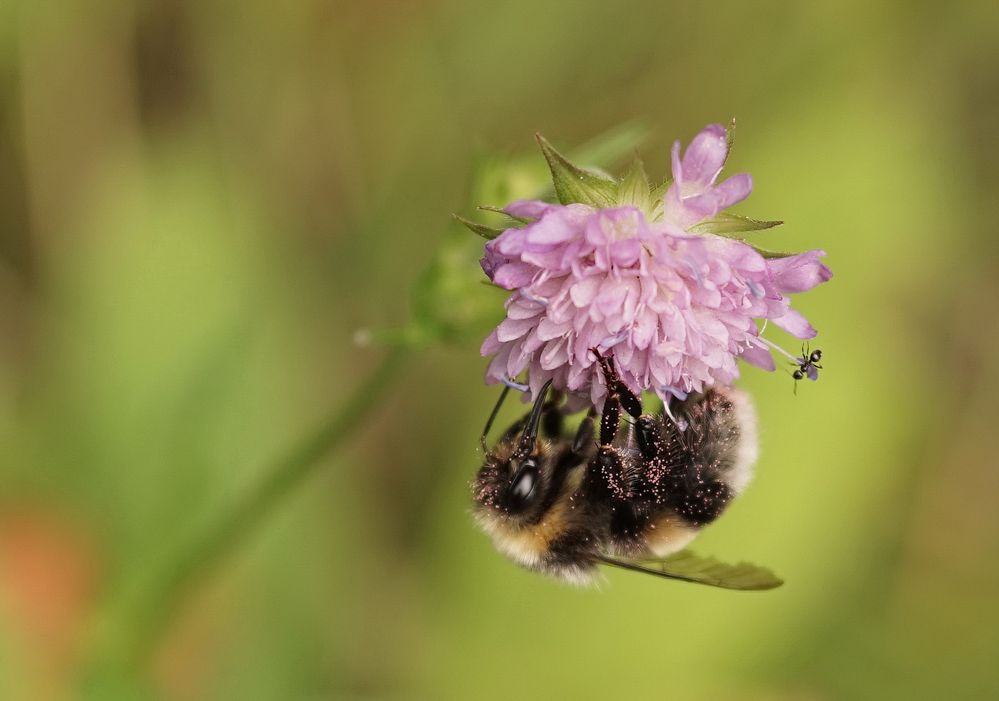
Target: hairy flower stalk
{"points": [[657, 278]]}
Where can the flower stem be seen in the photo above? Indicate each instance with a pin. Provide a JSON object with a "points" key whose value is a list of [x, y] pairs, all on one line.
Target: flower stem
{"points": [[149, 612]]}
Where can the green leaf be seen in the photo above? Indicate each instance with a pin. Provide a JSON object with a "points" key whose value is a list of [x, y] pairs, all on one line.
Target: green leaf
{"points": [[486, 232], [573, 184], [634, 189], [724, 224], [689, 567]]}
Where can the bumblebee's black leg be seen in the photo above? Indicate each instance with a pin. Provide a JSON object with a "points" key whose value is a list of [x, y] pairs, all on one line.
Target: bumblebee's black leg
{"points": [[702, 477], [585, 433], [700, 502], [492, 417], [649, 436], [618, 396], [629, 518], [552, 417], [610, 418], [612, 473], [631, 403], [515, 429], [647, 432]]}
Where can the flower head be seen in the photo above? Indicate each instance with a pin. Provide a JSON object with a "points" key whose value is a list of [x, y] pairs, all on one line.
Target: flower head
{"points": [[674, 308]]}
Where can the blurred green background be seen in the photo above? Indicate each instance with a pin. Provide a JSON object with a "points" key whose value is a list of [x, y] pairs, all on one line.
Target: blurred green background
{"points": [[203, 203]]}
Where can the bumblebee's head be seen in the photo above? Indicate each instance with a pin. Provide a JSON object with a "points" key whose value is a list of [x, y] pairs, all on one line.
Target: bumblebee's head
{"points": [[517, 474], [525, 499]]}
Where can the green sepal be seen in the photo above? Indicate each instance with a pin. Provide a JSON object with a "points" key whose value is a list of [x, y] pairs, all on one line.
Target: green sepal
{"points": [[770, 254], [500, 210], [763, 251], [656, 197], [493, 285], [659, 191], [634, 189], [729, 140], [724, 224], [486, 232], [574, 184]]}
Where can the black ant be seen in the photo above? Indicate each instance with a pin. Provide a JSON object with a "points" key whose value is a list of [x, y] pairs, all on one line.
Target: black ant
{"points": [[807, 366]]}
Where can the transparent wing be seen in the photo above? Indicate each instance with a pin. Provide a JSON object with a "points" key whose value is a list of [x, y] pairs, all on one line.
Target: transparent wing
{"points": [[813, 373], [688, 567]]}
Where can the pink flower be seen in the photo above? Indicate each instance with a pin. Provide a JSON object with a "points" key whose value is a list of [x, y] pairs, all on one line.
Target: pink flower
{"points": [[694, 196], [674, 309]]}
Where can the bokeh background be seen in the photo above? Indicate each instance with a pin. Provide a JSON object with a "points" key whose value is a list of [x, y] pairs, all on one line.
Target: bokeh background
{"points": [[218, 218]]}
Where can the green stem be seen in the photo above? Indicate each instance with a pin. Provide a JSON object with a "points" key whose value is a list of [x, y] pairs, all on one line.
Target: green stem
{"points": [[155, 605]]}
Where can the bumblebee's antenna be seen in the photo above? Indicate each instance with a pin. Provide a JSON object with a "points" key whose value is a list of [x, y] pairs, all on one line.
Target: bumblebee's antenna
{"points": [[492, 417], [531, 429]]}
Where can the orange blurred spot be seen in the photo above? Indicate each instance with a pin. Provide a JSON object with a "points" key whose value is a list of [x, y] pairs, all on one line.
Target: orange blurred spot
{"points": [[48, 573]]}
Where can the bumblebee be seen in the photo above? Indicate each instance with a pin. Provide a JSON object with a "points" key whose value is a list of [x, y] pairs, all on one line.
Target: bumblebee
{"points": [[563, 505]]}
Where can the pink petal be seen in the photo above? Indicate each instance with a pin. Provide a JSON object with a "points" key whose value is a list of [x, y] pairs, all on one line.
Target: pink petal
{"points": [[760, 357], [554, 355], [518, 360], [528, 208], [547, 329], [734, 190], [583, 292], [549, 231], [523, 309], [514, 275], [676, 164], [795, 324], [512, 329], [799, 273], [490, 345], [645, 330], [705, 156]]}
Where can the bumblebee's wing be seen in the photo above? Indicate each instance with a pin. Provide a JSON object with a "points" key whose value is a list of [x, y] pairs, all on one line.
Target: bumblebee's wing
{"points": [[688, 567]]}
